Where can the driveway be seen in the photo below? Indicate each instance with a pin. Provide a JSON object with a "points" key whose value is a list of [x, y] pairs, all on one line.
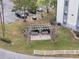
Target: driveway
{"points": [[5, 54]]}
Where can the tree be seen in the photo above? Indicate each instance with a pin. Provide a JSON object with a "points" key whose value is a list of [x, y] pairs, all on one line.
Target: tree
{"points": [[22, 5], [25, 4], [53, 3], [2, 20], [32, 6], [53, 32], [28, 37], [40, 2], [48, 3]]}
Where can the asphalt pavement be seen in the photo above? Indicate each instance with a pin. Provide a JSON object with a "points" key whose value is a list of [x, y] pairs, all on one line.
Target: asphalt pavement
{"points": [[5, 54], [9, 16]]}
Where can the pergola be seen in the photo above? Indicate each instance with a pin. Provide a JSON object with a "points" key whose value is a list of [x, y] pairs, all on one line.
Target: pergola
{"points": [[39, 29]]}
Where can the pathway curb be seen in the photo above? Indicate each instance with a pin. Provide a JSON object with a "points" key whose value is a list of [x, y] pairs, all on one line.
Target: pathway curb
{"points": [[56, 52]]}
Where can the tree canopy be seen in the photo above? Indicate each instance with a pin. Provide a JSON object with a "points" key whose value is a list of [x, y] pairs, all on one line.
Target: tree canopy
{"points": [[32, 4], [26, 4]]}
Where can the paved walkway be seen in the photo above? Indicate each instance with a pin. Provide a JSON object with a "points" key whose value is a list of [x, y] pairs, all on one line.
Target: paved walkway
{"points": [[4, 54]]}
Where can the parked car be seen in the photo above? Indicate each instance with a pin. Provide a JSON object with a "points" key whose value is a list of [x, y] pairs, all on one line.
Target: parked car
{"points": [[21, 14], [41, 9], [34, 17]]}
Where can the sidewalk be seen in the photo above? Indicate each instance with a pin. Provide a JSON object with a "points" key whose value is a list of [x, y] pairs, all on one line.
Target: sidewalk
{"points": [[54, 52]]}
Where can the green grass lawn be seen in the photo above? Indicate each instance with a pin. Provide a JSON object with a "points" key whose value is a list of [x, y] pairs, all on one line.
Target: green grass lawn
{"points": [[64, 40]]}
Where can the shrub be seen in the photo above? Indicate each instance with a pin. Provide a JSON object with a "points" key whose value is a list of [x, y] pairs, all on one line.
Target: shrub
{"points": [[77, 33]]}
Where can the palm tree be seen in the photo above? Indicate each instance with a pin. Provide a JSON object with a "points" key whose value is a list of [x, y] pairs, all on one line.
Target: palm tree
{"points": [[2, 20]]}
